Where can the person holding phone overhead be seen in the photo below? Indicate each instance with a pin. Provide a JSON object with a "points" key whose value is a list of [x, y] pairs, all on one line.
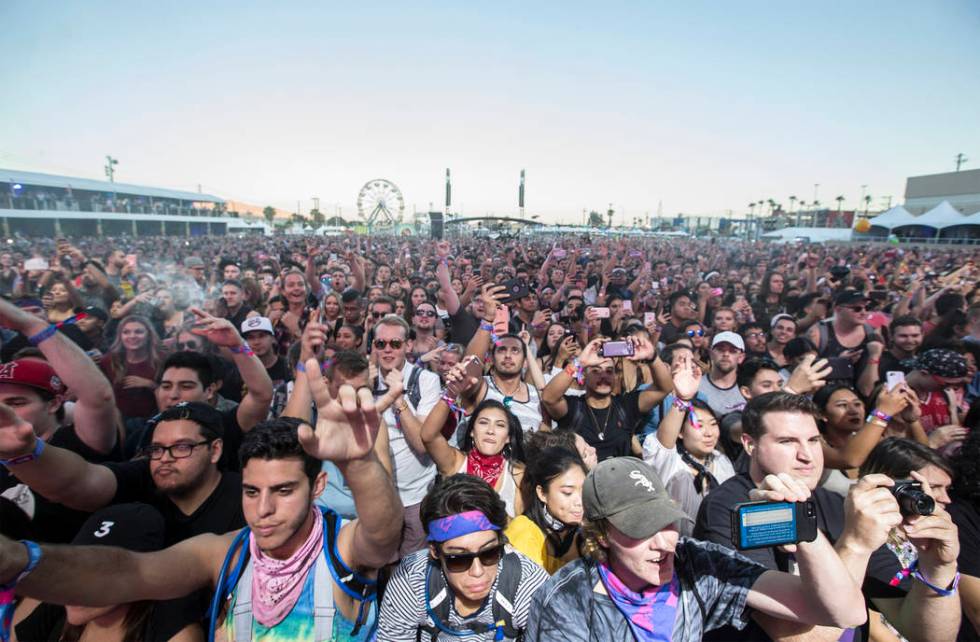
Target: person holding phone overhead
{"points": [[605, 420]]}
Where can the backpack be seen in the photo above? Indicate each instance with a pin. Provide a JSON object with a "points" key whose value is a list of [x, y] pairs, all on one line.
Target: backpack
{"points": [[438, 603], [356, 586], [412, 389]]}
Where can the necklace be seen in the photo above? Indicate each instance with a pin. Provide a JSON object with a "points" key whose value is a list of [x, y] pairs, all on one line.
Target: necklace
{"points": [[595, 422], [508, 399]]}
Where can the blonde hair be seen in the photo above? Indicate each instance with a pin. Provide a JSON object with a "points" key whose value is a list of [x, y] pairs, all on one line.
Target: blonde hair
{"points": [[593, 533]]}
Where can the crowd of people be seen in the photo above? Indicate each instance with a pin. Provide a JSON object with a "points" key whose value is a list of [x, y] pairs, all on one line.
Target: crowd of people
{"points": [[509, 438]]}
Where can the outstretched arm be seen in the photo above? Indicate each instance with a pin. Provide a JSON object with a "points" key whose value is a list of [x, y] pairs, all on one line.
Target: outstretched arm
{"points": [[346, 430], [254, 407], [58, 474], [95, 409], [68, 574], [445, 281]]}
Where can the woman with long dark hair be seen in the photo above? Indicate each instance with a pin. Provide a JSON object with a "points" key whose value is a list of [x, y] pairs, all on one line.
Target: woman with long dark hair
{"points": [[548, 530], [64, 298], [769, 301], [131, 366], [491, 446]]}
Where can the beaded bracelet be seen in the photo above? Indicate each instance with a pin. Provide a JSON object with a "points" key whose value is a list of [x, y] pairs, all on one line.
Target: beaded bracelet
{"points": [[688, 408]]}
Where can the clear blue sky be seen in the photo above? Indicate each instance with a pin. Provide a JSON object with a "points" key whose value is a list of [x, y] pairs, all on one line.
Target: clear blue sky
{"points": [[704, 106]]}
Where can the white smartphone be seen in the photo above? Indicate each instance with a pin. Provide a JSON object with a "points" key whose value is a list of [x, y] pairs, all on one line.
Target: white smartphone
{"points": [[649, 317], [894, 378], [627, 305], [601, 313]]}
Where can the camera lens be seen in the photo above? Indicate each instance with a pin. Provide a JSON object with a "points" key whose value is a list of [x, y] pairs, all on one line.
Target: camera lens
{"points": [[912, 500]]}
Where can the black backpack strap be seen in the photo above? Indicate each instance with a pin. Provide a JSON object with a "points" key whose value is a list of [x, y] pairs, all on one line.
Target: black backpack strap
{"points": [[503, 598], [412, 389]]}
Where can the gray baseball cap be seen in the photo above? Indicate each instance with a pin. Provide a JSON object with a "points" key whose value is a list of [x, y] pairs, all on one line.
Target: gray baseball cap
{"points": [[627, 492]]}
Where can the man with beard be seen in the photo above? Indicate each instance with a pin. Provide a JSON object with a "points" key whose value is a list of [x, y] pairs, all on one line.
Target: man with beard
{"points": [[682, 308], [305, 572], [606, 421], [720, 388], [905, 339], [505, 382]]}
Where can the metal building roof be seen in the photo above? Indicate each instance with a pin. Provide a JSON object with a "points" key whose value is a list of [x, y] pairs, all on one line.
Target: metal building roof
{"points": [[74, 182]]}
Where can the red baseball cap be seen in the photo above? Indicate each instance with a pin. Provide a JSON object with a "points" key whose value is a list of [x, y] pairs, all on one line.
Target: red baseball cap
{"points": [[34, 373]]}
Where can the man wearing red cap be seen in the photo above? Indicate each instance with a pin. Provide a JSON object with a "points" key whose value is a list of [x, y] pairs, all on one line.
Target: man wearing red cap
{"points": [[34, 387]]}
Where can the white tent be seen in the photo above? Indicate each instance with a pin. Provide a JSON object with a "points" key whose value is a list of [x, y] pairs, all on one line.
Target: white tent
{"points": [[941, 216], [893, 218], [809, 234]]}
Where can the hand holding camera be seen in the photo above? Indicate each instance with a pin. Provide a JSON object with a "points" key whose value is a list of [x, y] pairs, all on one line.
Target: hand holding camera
{"points": [[933, 534], [871, 511]]}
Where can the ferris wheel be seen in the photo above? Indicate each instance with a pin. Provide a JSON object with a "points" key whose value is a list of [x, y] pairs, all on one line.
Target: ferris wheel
{"points": [[380, 203]]}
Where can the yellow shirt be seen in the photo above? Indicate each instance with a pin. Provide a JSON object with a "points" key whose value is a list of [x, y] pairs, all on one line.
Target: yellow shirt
{"points": [[528, 538]]}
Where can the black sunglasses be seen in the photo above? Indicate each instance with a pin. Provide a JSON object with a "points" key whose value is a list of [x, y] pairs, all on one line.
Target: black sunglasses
{"points": [[378, 315], [188, 345], [463, 561], [395, 344], [425, 313]]}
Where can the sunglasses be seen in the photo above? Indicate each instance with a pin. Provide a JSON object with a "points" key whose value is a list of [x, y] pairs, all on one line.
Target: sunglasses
{"points": [[696, 333], [425, 313], [857, 308], [188, 345], [395, 344], [755, 335], [462, 562], [378, 315]]}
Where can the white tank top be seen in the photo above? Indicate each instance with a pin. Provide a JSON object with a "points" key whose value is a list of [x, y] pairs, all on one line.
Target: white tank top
{"points": [[527, 412], [508, 491]]}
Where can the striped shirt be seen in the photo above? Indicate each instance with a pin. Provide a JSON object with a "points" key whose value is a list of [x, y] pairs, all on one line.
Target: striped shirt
{"points": [[403, 607]]}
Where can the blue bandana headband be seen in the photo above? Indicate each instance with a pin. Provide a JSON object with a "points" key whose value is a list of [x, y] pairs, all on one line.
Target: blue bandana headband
{"points": [[453, 526]]}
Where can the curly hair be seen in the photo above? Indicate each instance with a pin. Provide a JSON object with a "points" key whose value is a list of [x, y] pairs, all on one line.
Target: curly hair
{"points": [[278, 439], [593, 534]]}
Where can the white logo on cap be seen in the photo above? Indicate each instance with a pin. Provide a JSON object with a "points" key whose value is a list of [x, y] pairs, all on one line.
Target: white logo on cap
{"points": [[104, 529], [642, 480], [7, 370], [252, 322]]}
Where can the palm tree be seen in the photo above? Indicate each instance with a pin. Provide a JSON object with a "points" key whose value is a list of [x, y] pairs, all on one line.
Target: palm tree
{"points": [[867, 204], [772, 205], [752, 208], [269, 213], [840, 201], [792, 202]]}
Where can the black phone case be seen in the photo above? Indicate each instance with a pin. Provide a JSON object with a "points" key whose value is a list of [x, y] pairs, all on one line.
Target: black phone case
{"points": [[806, 524]]}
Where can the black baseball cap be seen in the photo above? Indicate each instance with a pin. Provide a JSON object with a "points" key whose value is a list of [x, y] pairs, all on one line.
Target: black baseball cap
{"points": [[850, 297], [628, 493], [135, 527], [97, 312], [205, 415]]}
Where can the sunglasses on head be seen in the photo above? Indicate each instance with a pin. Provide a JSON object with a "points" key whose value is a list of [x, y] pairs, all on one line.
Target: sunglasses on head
{"points": [[463, 561], [425, 313], [696, 333], [395, 344]]}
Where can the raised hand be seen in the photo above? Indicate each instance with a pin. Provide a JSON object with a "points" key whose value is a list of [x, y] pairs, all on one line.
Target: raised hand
{"points": [[347, 425], [892, 402], [314, 336], [442, 250], [16, 435], [218, 331], [492, 295], [643, 349], [936, 538], [591, 355], [870, 512], [686, 375], [810, 375]]}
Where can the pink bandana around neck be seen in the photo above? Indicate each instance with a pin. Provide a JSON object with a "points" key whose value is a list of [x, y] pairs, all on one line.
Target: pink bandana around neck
{"points": [[277, 584]]}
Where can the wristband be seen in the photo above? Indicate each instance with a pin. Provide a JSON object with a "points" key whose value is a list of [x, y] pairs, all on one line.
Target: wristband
{"points": [[877, 414], [33, 557], [687, 408], [941, 592], [43, 335], [244, 349], [446, 397], [300, 367], [486, 325], [23, 459]]}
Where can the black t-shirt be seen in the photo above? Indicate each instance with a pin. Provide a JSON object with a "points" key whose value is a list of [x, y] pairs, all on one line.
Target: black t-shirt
{"points": [[220, 513], [967, 520], [279, 372], [462, 326], [888, 363], [49, 521], [616, 431], [714, 524]]}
